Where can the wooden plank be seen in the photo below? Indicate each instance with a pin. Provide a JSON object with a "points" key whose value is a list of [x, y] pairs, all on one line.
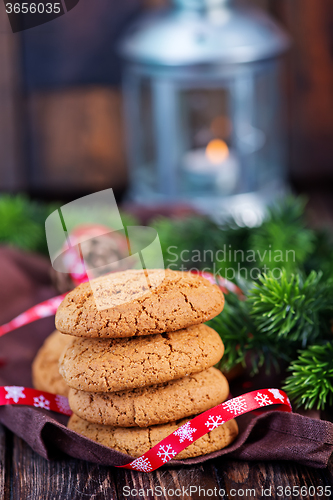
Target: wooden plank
{"points": [[186, 482], [11, 170], [259, 480], [309, 23], [35, 477], [77, 139], [2, 462]]}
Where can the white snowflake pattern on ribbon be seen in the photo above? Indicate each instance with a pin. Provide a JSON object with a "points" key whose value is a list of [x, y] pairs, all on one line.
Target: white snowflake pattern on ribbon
{"points": [[44, 310], [41, 402], [142, 464], [235, 405], [15, 393], [62, 403], [166, 452], [277, 394], [185, 432], [263, 399], [56, 301], [213, 422], [20, 320]]}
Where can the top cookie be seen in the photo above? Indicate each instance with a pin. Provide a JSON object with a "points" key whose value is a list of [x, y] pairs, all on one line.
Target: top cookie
{"points": [[182, 299]]}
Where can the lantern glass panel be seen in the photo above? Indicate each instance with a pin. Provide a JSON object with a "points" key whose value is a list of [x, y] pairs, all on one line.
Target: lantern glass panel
{"points": [[215, 137], [206, 163], [143, 130]]}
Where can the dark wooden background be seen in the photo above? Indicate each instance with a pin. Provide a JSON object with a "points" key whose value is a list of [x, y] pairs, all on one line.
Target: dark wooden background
{"points": [[73, 129], [24, 475]]}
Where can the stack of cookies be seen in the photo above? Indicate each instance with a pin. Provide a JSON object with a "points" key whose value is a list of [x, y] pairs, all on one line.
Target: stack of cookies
{"points": [[45, 367], [140, 369]]}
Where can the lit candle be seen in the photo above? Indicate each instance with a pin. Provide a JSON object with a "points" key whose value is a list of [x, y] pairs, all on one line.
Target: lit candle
{"points": [[212, 169]]}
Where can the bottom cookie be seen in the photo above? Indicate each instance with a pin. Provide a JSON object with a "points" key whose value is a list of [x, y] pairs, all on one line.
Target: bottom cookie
{"points": [[135, 441], [45, 367]]}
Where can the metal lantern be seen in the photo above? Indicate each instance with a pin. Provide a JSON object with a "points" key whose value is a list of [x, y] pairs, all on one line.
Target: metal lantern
{"points": [[203, 108]]}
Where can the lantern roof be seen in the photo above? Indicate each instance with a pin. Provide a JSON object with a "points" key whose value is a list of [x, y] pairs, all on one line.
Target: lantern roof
{"points": [[192, 33]]}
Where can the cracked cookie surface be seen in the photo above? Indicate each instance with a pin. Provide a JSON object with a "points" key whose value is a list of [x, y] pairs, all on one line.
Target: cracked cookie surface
{"points": [[135, 307], [45, 367], [152, 405], [110, 365], [135, 441]]}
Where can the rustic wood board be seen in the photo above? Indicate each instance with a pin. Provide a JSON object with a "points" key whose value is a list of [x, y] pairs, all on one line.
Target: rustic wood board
{"points": [[12, 175], [25, 475], [77, 139], [310, 87], [2, 462], [34, 477]]}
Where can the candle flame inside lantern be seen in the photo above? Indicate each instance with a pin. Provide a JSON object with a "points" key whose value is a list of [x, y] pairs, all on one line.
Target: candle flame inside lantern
{"points": [[217, 151]]}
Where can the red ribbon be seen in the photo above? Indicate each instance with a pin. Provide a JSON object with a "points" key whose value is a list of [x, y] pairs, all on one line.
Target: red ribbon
{"points": [[173, 444], [47, 308], [17, 395]]}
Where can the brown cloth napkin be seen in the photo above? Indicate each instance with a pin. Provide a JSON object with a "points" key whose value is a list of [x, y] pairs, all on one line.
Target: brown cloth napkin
{"points": [[24, 282]]}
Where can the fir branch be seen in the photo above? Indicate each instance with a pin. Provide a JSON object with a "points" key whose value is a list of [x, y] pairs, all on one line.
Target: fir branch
{"points": [[22, 223], [292, 308], [282, 234], [282, 239], [199, 242], [185, 235], [243, 341], [234, 326], [311, 380], [322, 254]]}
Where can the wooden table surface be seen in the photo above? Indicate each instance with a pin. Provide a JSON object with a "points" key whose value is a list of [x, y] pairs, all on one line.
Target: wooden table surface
{"points": [[26, 475]]}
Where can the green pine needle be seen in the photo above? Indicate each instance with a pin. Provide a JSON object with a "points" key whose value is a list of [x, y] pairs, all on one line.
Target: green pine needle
{"points": [[198, 242], [22, 223], [234, 327], [243, 341], [274, 321], [311, 380], [283, 239], [292, 308]]}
